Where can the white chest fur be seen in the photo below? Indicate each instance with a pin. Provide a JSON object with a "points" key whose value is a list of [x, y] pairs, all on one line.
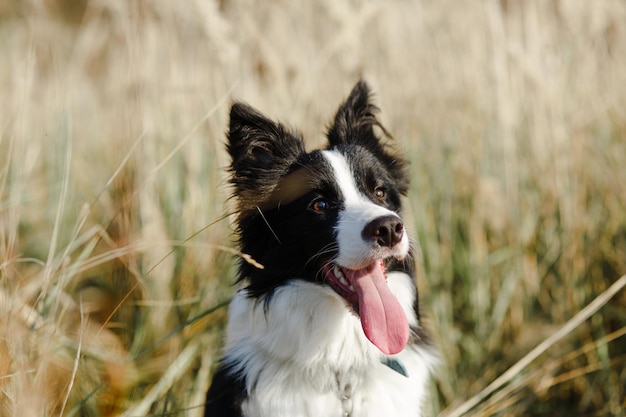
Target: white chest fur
{"points": [[306, 355]]}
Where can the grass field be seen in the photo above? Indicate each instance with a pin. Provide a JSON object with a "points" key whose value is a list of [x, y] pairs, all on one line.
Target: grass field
{"points": [[116, 255]]}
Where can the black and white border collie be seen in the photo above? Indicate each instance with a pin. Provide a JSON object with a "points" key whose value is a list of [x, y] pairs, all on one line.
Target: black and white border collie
{"points": [[328, 323]]}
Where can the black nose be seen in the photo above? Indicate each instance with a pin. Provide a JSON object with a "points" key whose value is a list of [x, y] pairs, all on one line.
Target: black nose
{"points": [[386, 231]]}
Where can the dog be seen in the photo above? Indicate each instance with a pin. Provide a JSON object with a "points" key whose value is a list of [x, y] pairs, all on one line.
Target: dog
{"points": [[326, 321]]}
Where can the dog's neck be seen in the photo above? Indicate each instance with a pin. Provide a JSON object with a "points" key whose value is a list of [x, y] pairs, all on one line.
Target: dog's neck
{"points": [[345, 396]]}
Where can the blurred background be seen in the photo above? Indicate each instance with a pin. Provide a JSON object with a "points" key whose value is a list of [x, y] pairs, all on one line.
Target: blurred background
{"points": [[116, 254]]}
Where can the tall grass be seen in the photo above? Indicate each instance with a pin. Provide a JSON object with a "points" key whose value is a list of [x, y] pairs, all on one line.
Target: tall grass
{"points": [[115, 244]]}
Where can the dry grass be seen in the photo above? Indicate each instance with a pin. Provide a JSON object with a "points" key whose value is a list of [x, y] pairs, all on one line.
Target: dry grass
{"points": [[113, 241]]}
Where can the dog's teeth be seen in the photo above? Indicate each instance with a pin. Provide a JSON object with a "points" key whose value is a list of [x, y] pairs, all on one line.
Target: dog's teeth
{"points": [[342, 278], [337, 272]]}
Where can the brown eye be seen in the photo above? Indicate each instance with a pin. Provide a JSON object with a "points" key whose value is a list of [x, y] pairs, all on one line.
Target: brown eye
{"points": [[379, 193], [319, 205]]}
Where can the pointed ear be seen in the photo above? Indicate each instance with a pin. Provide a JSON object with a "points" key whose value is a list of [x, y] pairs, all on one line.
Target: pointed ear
{"points": [[261, 152], [354, 125], [355, 120]]}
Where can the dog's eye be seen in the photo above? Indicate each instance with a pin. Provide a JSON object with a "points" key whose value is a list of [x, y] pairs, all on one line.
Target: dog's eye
{"points": [[380, 193], [319, 205]]}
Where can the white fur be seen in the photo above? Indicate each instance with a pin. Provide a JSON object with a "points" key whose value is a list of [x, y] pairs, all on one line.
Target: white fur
{"points": [[300, 354], [306, 349], [354, 252]]}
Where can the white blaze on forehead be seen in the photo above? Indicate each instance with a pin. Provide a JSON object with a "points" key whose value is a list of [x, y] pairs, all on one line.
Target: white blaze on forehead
{"points": [[343, 175], [354, 251]]}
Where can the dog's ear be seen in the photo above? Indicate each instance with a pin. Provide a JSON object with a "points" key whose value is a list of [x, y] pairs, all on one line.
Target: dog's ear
{"points": [[355, 120], [354, 125], [261, 151]]}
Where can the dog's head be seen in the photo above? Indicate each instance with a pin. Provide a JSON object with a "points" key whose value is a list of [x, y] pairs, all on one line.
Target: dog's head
{"points": [[329, 216]]}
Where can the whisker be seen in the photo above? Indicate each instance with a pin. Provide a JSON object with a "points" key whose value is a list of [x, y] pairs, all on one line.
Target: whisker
{"points": [[329, 248], [320, 271]]}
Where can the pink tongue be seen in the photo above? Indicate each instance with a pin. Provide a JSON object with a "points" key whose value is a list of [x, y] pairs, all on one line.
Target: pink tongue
{"points": [[382, 318]]}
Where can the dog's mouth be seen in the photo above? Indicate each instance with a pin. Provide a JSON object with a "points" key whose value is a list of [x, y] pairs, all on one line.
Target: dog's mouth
{"points": [[382, 318]]}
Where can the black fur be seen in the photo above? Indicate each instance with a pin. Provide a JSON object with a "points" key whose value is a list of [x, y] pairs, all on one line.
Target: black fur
{"points": [[263, 151], [226, 394], [293, 240], [354, 126]]}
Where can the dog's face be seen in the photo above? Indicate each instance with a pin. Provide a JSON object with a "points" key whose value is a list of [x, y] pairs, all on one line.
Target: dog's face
{"points": [[329, 216]]}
